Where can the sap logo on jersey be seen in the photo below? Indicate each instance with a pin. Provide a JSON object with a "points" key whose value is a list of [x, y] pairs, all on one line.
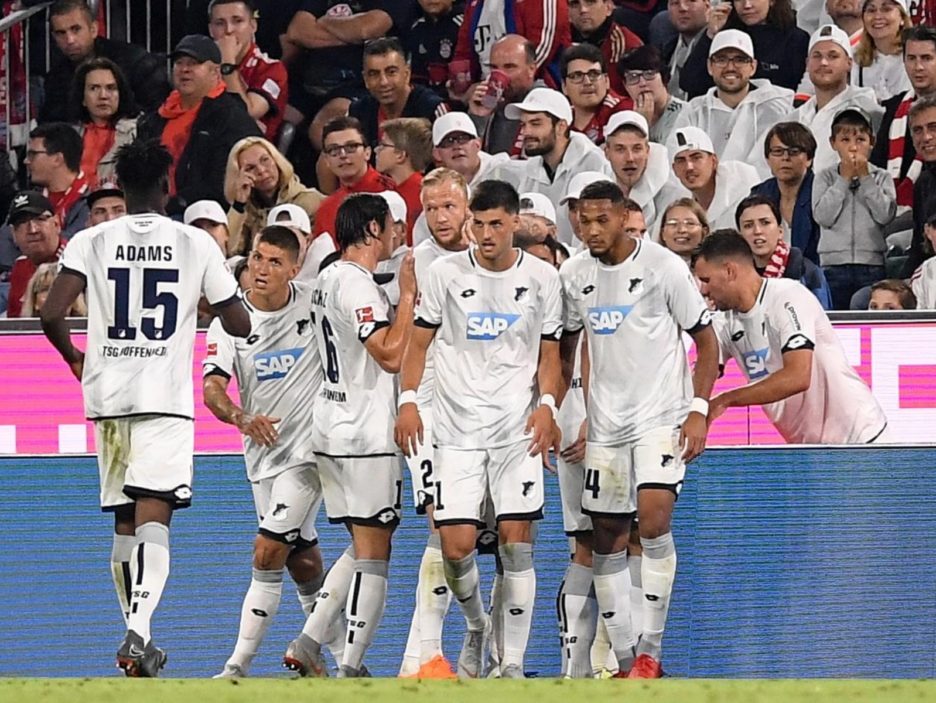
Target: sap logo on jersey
{"points": [[276, 364], [755, 363], [489, 325], [606, 319]]}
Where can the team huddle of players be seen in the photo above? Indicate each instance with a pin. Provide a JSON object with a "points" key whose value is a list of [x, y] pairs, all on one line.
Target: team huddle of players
{"points": [[476, 375]]}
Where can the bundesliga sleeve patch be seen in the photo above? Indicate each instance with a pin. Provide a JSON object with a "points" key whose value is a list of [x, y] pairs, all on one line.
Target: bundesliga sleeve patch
{"points": [[364, 315], [797, 342], [213, 349]]}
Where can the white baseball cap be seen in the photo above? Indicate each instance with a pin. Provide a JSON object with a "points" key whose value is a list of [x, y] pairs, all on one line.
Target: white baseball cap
{"points": [[542, 100], [396, 203], [537, 204], [625, 118], [452, 122], [580, 180], [902, 3], [205, 210], [690, 139], [832, 33], [295, 217], [732, 39]]}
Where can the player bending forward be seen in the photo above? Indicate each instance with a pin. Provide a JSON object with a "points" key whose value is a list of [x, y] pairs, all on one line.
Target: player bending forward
{"points": [[634, 299], [144, 275]]}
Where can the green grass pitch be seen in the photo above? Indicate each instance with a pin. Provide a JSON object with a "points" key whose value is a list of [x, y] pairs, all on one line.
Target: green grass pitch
{"points": [[399, 691]]}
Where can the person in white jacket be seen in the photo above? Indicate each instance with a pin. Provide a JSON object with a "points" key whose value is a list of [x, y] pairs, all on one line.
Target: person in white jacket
{"points": [[641, 167], [829, 65], [718, 186], [738, 109]]}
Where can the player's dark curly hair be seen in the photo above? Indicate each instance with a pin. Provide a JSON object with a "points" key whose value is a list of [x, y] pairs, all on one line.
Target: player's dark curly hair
{"points": [[142, 166], [602, 190], [355, 217]]}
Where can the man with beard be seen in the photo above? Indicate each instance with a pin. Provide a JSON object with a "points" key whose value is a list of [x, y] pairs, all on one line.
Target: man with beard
{"points": [[554, 153], [585, 82]]}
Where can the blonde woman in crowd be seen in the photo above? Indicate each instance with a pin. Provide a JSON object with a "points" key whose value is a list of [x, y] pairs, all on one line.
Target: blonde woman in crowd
{"points": [[879, 54], [38, 289]]}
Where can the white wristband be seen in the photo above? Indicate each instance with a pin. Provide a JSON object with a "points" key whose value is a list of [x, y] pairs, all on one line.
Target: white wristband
{"points": [[549, 401], [406, 397], [699, 405]]}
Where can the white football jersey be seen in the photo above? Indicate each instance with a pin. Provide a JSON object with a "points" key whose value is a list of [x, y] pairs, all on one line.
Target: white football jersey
{"points": [[487, 345], [144, 277], [838, 407], [356, 408], [634, 314], [278, 374], [923, 284]]}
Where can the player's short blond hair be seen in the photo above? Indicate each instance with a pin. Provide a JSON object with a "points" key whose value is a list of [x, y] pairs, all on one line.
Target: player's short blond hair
{"points": [[438, 176]]}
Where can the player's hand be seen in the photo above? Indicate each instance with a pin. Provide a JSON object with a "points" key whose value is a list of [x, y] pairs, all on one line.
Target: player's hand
{"points": [[475, 96], [260, 428], [545, 431], [717, 407], [575, 452], [77, 366], [408, 432], [717, 18], [407, 276], [243, 186], [692, 436]]}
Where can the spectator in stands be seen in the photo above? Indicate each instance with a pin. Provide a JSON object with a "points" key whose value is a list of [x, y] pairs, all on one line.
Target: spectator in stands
{"points": [[893, 148], [457, 146], [75, 32], [554, 153], [348, 156], [738, 109], [544, 24], [314, 250], [646, 77], [847, 16], [199, 123], [923, 280], [537, 216], [585, 82], [37, 290], [718, 186], [892, 294], [261, 82], [53, 159], [403, 154], [789, 149], [780, 47], [592, 23], [106, 203], [209, 216], [879, 54], [256, 179], [758, 220], [516, 57], [689, 19], [829, 67], [641, 167], [683, 227], [334, 33], [275, 16], [108, 116], [398, 246], [430, 43], [923, 133], [37, 233], [853, 203]]}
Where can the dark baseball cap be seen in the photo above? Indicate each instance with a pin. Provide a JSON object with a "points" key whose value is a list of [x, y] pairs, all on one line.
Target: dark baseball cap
{"points": [[199, 47], [26, 204], [108, 189], [854, 116]]}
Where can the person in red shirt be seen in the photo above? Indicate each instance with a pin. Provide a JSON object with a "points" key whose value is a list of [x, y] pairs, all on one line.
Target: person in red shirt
{"points": [[592, 23], [403, 154], [53, 159], [260, 81], [347, 156], [585, 82], [37, 234]]}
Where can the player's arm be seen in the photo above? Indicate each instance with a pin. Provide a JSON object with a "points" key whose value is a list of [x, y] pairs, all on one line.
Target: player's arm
{"points": [[574, 453], [260, 428], [695, 428], [542, 421], [408, 432], [793, 378], [66, 288], [387, 344], [568, 345]]}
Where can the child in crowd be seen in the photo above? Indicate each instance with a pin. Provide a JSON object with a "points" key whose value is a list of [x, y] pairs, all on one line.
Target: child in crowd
{"points": [[852, 203], [892, 294]]}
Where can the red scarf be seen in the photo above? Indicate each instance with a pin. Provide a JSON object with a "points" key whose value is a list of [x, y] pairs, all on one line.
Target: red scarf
{"points": [[897, 137], [178, 129], [63, 201], [98, 141], [778, 261]]}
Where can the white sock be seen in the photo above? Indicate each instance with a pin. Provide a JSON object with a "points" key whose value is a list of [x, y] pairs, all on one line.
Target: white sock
{"points": [[463, 578], [657, 573], [634, 566], [601, 655], [519, 596], [612, 590], [366, 602], [307, 592], [260, 606], [120, 570], [410, 663], [433, 597], [331, 598], [497, 615], [149, 569], [578, 612]]}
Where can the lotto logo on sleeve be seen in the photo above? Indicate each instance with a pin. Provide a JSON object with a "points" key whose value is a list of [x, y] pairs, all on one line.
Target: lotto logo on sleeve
{"points": [[755, 363], [364, 315], [276, 364], [486, 326], [606, 319]]}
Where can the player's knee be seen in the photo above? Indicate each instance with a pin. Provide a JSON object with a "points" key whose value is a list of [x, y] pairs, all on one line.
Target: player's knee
{"points": [[456, 550], [269, 554], [305, 564], [514, 531]]}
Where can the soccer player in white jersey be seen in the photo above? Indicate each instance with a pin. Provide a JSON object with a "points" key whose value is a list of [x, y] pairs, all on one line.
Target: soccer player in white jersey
{"points": [[444, 196], [278, 371], [352, 427], [782, 340], [635, 299], [493, 316], [143, 275]]}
